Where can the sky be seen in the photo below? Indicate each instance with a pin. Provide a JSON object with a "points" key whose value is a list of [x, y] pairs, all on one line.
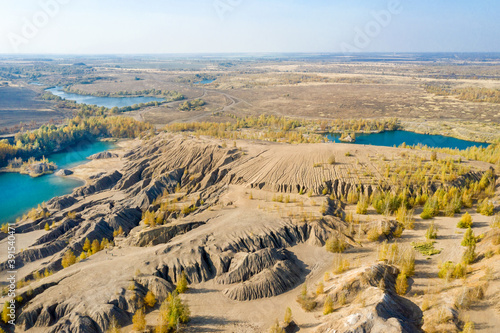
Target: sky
{"points": [[247, 26]]}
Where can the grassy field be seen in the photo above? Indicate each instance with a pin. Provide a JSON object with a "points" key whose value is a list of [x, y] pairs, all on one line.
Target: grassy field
{"points": [[306, 88], [21, 104]]}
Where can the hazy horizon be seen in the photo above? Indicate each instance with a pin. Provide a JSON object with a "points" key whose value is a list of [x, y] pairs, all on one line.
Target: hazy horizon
{"points": [[248, 27]]}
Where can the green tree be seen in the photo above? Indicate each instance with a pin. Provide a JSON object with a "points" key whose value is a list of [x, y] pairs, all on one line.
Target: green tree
{"points": [[139, 320], [288, 316], [150, 299], [431, 233], [86, 245], [401, 284], [465, 222], [328, 306], [469, 238], [96, 246], [173, 312], [5, 312], [182, 285], [68, 259]]}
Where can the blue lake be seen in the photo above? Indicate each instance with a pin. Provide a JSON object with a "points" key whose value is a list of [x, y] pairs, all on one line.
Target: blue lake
{"points": [[108, 102], [19, 193], [205, 81], [389, 139]]}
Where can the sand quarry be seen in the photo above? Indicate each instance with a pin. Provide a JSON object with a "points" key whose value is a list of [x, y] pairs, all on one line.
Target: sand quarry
{"points": [[256, 235]]}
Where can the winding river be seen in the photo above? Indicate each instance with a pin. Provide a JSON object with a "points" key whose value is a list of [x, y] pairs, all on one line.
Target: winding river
{"points": [[108, 102]]}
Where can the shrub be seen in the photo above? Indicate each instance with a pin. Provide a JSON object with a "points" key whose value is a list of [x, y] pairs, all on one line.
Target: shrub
{"points": [[426, 248], [139, 320], [328, 306], [446, 270], [331, 159], [276, 328], [288, 316], [495, 224], [104, 244], [335, 244], [172, 313], [431, 233], [469, 238], [431, 209], [306, 302], [118, 232], [405, 217], [96, 246], [465, 222], [388, 252], [373, 234], [425, 303], [407, 261], [449, 271], [468, 296], [342, 299], [113, 327], [398, 232], [320, 288], [469, 255], [150, 299], [349, 217], [352, 197], [182, 285], [47, 227], [469, 327], [86, 245], [340, 265], [68, 259], [401, 284], [486, 208], [460, 271], [5, 312], [362, 206]]}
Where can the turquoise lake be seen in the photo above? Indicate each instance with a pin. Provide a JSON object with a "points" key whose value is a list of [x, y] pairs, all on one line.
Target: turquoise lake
{"points": [[205, 81], [19, 193], [389, 139], [108, 102]]}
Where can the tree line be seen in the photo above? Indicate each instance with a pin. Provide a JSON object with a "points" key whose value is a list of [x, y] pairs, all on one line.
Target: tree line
{"points": [[50, 138]]}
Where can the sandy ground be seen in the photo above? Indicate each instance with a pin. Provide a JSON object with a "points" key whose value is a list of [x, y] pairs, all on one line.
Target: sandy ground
{"points": [[213, 312], [94, 167]]}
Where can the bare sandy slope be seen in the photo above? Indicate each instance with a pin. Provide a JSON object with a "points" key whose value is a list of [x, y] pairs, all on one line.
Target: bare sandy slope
{"points": [[94, 167], [240, 216]]}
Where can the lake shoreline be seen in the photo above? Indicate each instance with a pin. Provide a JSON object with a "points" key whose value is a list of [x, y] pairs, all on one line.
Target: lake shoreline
{"points": [[42, 189], [408, 139], [405, 129], [84, 171]]}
